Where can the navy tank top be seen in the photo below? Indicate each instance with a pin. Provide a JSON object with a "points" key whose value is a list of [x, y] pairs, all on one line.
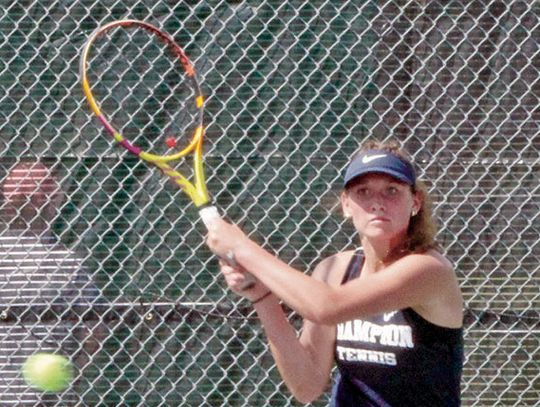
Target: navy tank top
{"points": [[396, 359]]}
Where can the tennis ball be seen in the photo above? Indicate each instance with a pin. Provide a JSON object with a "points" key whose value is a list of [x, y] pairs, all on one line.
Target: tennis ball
{"points": [[48, 372]]}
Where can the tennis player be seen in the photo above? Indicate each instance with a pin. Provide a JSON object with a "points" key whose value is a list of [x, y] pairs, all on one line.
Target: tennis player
{"points": [[389, 313]]}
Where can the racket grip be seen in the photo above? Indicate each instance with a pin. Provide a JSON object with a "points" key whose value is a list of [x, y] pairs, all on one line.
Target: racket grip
{"points": [[208, 214]]}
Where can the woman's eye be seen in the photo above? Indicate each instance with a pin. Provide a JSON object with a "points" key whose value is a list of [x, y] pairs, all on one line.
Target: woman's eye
{"points": [[362, 192], [392, 192]]}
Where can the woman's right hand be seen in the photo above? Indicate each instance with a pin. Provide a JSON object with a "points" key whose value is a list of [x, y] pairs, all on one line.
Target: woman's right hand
{"points": [[235, 278]]}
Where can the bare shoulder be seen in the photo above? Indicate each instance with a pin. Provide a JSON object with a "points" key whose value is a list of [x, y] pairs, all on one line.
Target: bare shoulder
{"points": [[430, 272], [444, 304], [331, 269], [432, 259]]}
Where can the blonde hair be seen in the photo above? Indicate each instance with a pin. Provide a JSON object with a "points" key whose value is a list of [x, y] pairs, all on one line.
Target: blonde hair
{"points": [[422, 227]]}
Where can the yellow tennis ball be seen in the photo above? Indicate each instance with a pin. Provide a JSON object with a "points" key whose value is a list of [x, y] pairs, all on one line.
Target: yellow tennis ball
{"points": [[48, 372]]}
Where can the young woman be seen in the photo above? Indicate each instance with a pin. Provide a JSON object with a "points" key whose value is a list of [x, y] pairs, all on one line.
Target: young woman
{"points": [[388, 314]]}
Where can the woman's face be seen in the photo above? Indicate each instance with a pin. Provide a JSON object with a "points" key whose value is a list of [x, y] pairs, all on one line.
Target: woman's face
{"points": [[380, 206]]}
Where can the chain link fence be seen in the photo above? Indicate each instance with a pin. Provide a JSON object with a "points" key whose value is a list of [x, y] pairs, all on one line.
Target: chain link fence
{"points": [[292, 88]]}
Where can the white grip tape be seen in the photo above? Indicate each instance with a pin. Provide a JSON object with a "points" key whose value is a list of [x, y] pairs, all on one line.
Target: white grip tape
{"points": [[208, 214]]}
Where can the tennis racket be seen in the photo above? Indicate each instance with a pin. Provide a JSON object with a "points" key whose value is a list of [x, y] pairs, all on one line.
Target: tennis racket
{"points": [[148, 86]]}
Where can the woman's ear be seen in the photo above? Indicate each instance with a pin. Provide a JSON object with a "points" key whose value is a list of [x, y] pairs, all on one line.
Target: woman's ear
{"points": [[418, 201], [344, 197]]}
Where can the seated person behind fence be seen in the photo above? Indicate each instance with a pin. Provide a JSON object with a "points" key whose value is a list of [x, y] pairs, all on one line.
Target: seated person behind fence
{"points": [[41, 283], [388, 313]]}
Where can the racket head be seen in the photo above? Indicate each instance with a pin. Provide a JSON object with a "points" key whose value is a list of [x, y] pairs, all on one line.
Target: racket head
{"points": [[130, 68]]}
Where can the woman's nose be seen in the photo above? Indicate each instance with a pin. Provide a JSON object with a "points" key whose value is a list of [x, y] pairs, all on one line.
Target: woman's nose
{"points": [[377, 205]]}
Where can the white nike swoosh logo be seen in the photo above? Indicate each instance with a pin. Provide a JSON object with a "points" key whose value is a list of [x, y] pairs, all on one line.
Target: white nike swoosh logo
{"points": [[389, 315], [370, 158]]}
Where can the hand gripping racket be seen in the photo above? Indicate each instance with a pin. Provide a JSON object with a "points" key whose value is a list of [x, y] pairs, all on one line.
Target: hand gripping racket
{"points": [[147, 84]]}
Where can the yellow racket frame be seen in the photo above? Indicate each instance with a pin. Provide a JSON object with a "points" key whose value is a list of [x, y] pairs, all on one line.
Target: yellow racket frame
{"points": [[197, 190]]}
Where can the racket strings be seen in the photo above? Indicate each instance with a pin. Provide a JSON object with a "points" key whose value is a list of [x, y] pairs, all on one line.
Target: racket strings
{"points": [[145, 91]]}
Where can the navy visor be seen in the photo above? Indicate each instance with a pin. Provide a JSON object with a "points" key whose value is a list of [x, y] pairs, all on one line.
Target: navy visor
{"points": [[382, 162]]}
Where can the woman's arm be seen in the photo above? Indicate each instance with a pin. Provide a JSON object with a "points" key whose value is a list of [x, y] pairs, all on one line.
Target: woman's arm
{"points": [[413, 281], [304, 362]]}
